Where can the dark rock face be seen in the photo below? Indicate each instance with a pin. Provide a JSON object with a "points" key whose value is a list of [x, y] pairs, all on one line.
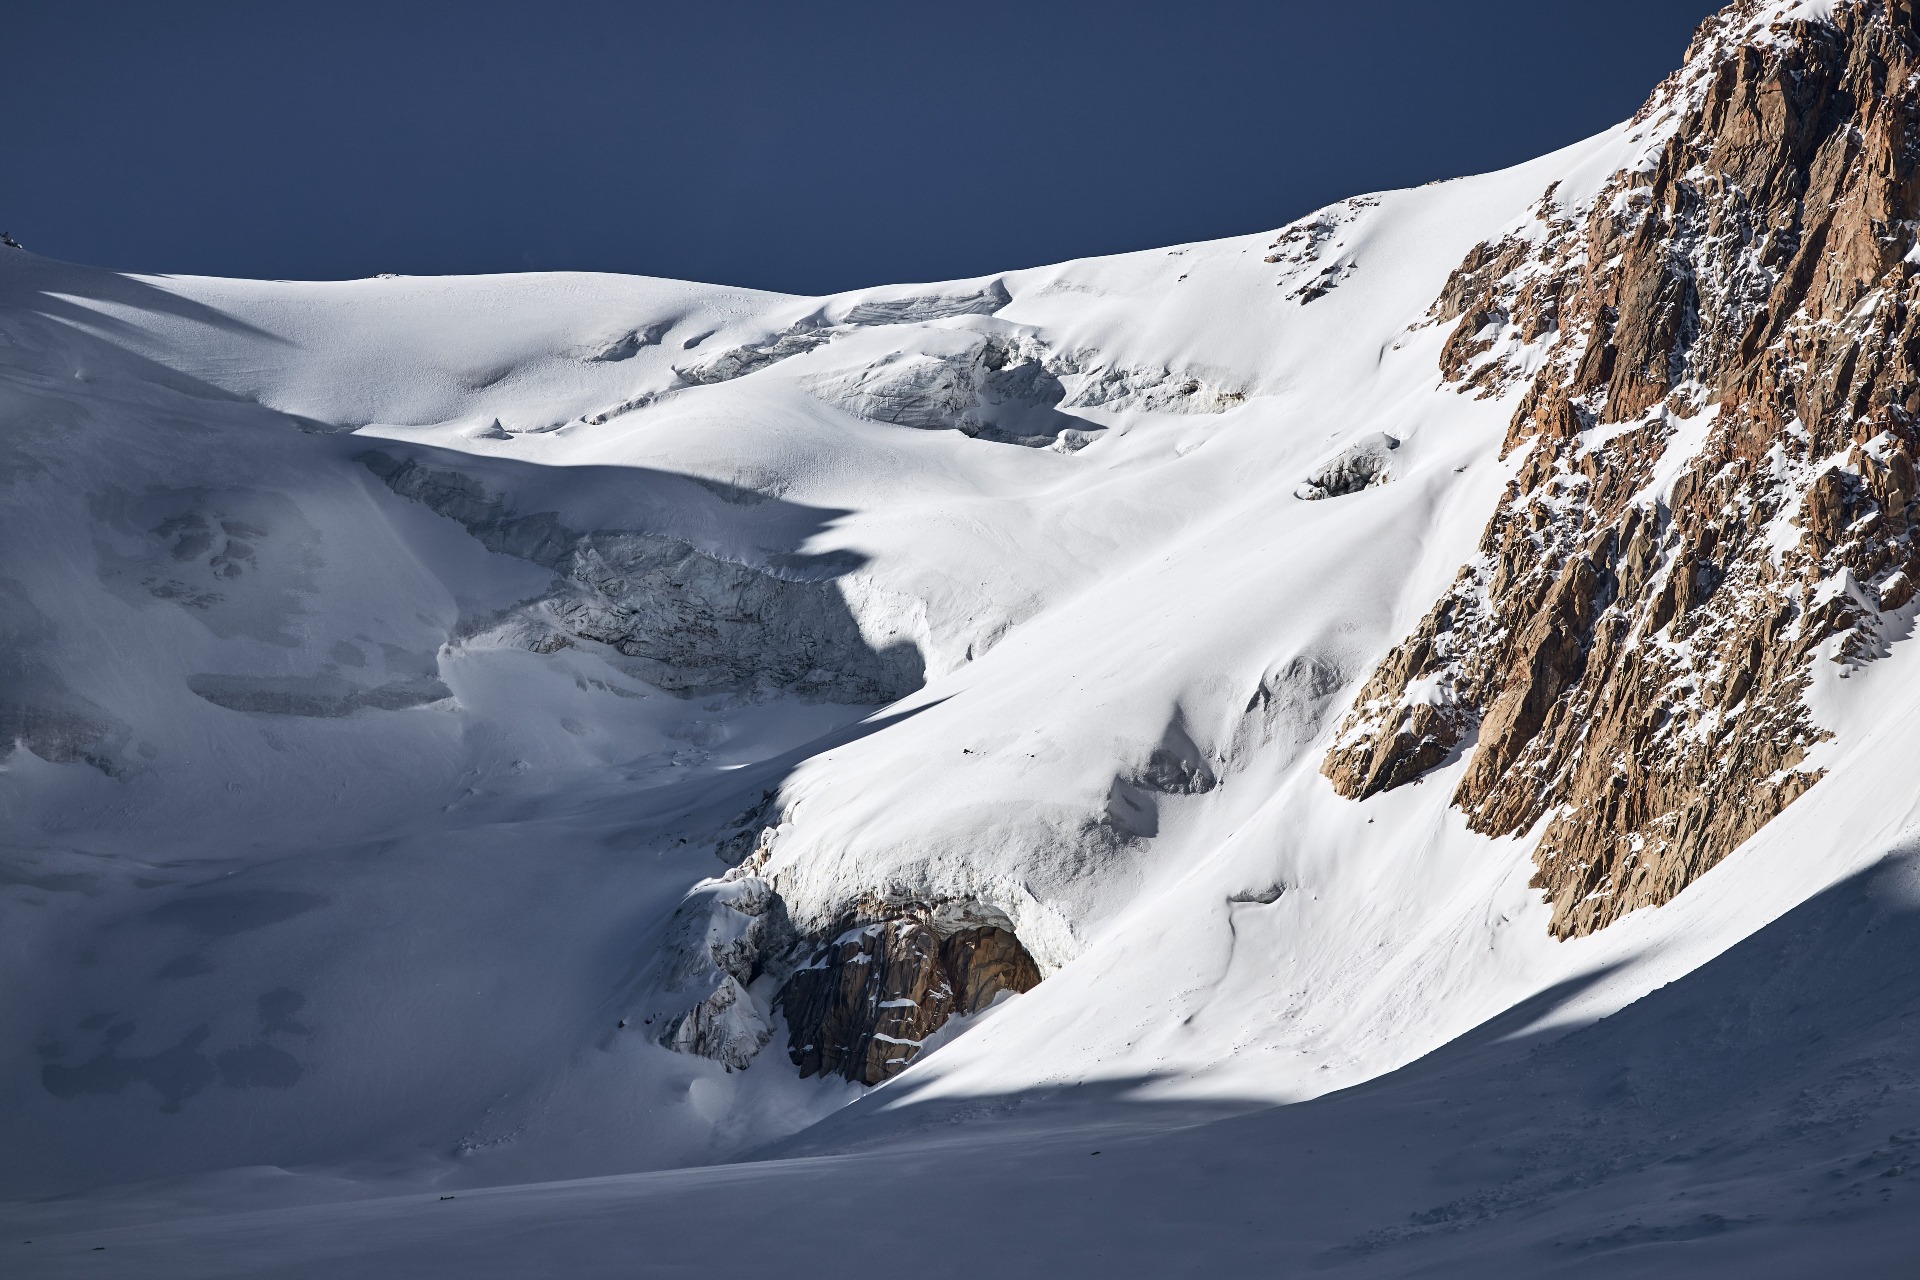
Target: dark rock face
{"points": [[868, 998], [983, 962], [860, 997], [1718, 483]]}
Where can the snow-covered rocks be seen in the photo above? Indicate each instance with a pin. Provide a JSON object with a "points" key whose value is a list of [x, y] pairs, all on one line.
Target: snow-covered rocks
{"points": [[1313, 253], [725, 936], [626, 346]]}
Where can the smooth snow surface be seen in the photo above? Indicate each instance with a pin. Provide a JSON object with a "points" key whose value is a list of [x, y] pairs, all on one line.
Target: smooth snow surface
{"points": [[328, 883]]}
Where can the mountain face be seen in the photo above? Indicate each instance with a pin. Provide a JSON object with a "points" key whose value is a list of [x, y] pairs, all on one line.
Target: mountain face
{"points": [[1718, 354], [1392, 733]]}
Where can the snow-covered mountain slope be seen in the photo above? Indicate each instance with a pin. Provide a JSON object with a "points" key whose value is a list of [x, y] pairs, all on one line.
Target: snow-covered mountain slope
{"points": [[478, 733]]}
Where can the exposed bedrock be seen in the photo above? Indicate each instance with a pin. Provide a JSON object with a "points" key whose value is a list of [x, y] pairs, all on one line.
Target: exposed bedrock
{"points": [[689, 621], [866, 1000], [864, 983], [1716, 494], [860, 997]]}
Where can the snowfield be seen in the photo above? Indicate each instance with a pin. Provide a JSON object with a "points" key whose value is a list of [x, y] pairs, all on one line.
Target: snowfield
{"points": [[374, 716]]}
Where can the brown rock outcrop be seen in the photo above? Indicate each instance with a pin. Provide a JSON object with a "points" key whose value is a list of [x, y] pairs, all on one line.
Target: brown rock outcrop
{"points": [[868, 998], [983, 962], [1717, 488]]}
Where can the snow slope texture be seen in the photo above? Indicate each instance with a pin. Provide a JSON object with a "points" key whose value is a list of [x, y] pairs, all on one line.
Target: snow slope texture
{"points": [[400, 672]]}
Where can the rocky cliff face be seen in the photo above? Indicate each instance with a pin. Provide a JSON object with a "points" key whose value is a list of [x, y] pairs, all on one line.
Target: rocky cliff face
{"points": [[860, 994], [1715, 482], [868, 998]]}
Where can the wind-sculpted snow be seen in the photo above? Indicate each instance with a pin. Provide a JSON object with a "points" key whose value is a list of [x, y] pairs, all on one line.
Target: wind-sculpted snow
{"points": [[812, 332], [738, 362], [627, 345], [470, 736], [917, 308]]}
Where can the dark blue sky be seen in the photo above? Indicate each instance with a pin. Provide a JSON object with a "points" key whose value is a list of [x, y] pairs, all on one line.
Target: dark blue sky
{"points": [[802, 146]]}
